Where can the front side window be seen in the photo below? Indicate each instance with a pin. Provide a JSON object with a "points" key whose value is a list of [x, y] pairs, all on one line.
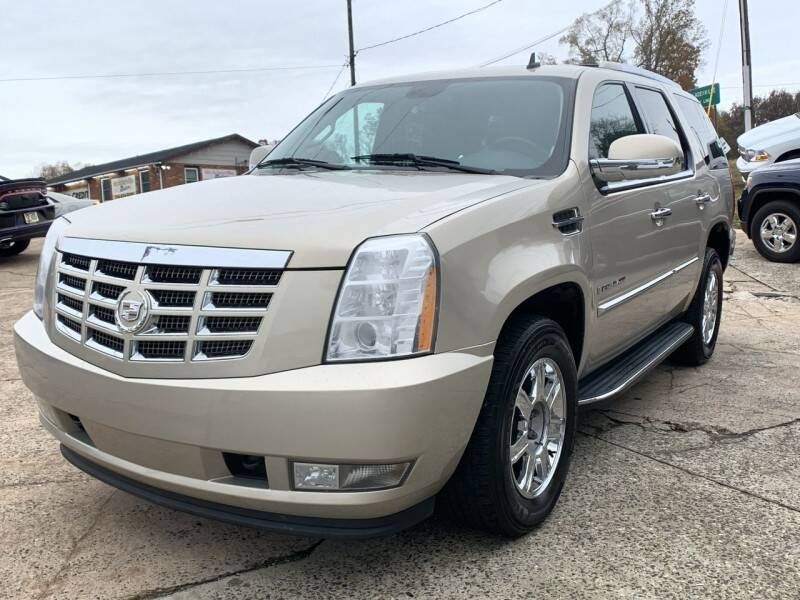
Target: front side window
{"points": [[515, 126], [657, 114], [612, 118], [191, 174]]}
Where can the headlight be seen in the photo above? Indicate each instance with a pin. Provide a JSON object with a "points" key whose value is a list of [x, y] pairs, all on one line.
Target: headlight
{"points": [[751, 155], [45, 258], [387, 301]]}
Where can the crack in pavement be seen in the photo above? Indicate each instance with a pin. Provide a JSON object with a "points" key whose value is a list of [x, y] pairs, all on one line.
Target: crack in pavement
{"points": [[297, 556], [73, 549], [43, 482], [691, 473], [650, 424]]}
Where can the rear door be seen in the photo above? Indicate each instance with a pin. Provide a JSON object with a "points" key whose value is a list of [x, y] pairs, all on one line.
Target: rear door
{"points": [[680, 234]]}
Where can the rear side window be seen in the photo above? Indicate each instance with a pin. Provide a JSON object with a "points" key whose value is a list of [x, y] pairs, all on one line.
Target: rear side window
{"points": [[612, 118], [701, 125], [658, 115]]}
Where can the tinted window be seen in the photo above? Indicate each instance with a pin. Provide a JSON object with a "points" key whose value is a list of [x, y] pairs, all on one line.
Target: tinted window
{"points": [[701, 125], [657, 114], [612, 118], [516, 126]]}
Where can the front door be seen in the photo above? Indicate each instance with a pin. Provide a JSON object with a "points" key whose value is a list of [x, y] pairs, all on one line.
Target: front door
{"points": [[628, 247]]}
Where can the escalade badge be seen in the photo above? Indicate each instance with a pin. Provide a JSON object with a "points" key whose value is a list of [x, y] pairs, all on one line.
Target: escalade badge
{"points": [[132, 311]]}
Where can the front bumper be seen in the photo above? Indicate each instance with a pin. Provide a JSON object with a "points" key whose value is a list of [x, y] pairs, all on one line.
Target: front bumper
{"points": [[169, 434], [744, 167]]}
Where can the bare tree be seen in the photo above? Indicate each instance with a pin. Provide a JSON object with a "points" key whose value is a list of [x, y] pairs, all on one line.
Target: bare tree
{"points": [[601, 35], [670, 40], [55, 169]]}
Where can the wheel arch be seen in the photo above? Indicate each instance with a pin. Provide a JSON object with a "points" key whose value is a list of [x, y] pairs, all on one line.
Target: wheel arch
{"points": [[563, 302], [788, 155], [719, 239]]}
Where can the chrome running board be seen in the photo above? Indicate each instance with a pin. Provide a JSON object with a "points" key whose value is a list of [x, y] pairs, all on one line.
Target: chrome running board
{"points": [[628, 368]]}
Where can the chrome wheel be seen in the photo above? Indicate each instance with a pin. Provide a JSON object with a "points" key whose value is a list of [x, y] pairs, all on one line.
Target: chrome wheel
{"points": [[710, 307], [778, 232], [538, 428]]}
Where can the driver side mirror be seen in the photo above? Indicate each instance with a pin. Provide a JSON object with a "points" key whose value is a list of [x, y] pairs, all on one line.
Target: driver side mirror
{"points": [[637, 157], [259, 153]]}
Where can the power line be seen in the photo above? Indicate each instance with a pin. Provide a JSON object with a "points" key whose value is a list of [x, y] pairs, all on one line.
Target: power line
{"points": [[168, 73], [719, 49], [763, 85], [543, 39], [427, 29], [336, 79]]}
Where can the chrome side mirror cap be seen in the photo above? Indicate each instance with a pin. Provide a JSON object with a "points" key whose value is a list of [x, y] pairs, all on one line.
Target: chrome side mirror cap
{"points": [[637, 157]]}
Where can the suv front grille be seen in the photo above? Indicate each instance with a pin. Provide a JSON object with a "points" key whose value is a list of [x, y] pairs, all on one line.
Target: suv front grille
{"points": [[192, 313], [120, 270]]}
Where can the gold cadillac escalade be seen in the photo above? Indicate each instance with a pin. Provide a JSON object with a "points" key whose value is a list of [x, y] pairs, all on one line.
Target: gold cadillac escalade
{"points": [[404, 303]]}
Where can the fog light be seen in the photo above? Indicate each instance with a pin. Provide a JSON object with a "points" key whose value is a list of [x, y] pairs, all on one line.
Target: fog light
{"points": [[309, 476]]}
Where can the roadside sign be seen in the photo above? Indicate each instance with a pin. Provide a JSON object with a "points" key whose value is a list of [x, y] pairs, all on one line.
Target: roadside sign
{"points": [[708, 95]]}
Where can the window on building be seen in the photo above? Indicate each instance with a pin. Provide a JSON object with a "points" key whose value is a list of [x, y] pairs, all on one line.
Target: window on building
{"points": [[191, 174], [105, 189], [612, 118], [144, 181]]}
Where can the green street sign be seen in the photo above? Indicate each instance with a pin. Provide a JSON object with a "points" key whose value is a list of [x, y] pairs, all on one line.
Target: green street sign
{"points": [[708, 95]]}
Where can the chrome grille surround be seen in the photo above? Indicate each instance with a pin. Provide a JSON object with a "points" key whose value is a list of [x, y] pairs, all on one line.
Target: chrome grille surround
{"points": [[93, 277]]}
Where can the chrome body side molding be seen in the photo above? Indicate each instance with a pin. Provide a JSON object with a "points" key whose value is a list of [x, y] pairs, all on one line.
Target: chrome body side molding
{"points": [[613, 303]]}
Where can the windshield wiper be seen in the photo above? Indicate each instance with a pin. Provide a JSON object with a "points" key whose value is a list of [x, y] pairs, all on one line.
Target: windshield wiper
{"points": [[293, 161], [417, 160]]}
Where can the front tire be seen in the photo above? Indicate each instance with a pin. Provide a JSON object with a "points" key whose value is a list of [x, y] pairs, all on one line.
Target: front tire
{"points": [[705, 313], [14, 248], [516, 462], [774, 231]]}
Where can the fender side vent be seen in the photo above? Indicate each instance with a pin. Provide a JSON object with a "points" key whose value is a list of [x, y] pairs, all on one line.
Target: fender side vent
{"points": [[568, 221]]}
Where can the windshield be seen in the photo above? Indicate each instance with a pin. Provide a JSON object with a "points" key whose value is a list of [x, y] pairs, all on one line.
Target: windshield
{"points": [[514, 126]]}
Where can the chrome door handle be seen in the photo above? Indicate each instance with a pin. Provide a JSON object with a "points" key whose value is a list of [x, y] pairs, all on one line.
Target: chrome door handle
{"points": [[702, 200], [660, 213]]}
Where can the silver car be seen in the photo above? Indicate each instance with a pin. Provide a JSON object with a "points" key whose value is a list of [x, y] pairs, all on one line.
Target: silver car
{"points": [[404, 303]]}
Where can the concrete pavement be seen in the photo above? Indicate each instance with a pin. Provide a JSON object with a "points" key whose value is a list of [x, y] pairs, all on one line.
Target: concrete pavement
{"points": [[686, 486]]}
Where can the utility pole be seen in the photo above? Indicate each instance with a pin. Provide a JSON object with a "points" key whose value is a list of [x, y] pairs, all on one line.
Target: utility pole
{"points": [[352, 48], [747, 72]]}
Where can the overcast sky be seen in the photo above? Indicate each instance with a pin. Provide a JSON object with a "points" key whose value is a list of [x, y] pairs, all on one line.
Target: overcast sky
{"points": [[98, 120]]}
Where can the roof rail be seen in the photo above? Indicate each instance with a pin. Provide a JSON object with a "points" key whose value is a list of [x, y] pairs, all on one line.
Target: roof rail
{"points": [[634, 70]]}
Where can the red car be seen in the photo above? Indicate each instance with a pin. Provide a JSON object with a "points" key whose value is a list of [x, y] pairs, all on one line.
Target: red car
{"points": [[25, 213]]}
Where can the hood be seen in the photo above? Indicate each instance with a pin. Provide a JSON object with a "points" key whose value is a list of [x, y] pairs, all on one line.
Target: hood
{"points": [[761, 137], [320, 216]]}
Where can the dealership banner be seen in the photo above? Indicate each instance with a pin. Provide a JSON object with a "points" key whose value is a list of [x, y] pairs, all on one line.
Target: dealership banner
{"points": [[217, 173], [123, 186]]}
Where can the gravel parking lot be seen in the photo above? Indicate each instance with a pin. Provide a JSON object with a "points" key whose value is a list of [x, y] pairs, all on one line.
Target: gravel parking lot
{"points": [[686, 486]]}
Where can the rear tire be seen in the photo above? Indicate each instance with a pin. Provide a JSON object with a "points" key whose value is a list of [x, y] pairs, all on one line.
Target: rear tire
{"points": [[706, 305], [16, 247], [490, 488], [774, 231]]}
